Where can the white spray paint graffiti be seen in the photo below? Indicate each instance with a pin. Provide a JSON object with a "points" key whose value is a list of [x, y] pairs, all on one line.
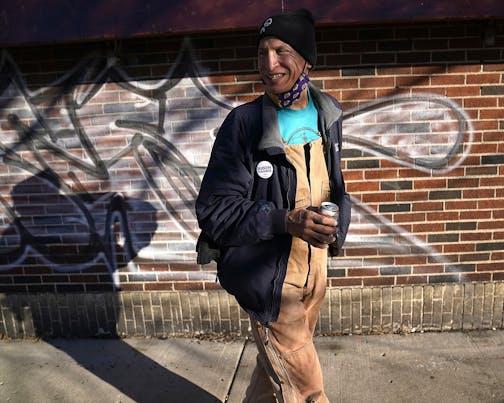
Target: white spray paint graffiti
{"points": [[154, 135], [427, 132]]}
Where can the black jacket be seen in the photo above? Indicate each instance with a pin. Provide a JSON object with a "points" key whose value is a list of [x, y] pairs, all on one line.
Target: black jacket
{"points": [[244, 214]]}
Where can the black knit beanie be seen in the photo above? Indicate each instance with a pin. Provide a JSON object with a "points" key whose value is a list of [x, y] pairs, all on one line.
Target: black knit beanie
{"points": [[295, 28]]}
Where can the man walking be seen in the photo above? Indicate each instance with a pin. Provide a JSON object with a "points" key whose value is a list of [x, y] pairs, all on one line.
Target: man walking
{"points": [[274, 161]]}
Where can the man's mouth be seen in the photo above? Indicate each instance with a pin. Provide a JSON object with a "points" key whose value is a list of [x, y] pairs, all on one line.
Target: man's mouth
{"points": [[275, 76]]}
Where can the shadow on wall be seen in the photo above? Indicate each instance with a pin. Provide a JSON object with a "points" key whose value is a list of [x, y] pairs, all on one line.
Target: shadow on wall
{"points": [[68, 232], [71, 232]]}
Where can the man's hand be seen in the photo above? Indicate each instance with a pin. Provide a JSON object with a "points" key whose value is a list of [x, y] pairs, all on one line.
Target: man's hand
{"points": [[316, 229]]}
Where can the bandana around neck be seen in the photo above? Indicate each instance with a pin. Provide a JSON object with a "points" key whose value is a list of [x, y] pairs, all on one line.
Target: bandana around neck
{"points": [[288, 98]]}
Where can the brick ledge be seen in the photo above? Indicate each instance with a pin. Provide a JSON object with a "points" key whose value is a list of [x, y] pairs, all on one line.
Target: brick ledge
{"points": [[357, 310]]}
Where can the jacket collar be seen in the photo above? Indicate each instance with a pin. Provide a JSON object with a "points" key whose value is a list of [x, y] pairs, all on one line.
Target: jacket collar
{"points": [[271, 140]]}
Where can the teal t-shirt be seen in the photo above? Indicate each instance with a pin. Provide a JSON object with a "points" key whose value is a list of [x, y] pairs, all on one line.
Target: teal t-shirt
{"points": [[299, 126]]}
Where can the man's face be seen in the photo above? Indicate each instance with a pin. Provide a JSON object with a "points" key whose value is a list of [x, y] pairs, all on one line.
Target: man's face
{"points": [[279, 65]]}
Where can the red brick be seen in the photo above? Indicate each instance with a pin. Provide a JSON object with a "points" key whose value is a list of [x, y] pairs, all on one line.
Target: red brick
{"points": [[412, 173], [430, 183], [381, 174], [377, 82], [211, 285], [362, 272], [385, 92], [428, 206], [411, 260], [159, 286], [485, 148], [461, 204], [475, 214], [498, 256], [495, 266], [448, 80], [494, 224], [436, 69], [464, 91], [475, 236], [379, 197], [378, 281], [461, 68], [498, 234], [491, 114], [480, 102], [188, 285], [393, 71], [493, 67], [358, 94], [429, 227], [463, 183], [412, 81], [428, 269], [379, 261], [411, 196], [490, 204], [361, 252], [477, 277], [484, 125], [411, 280], [345, 282], [353, 176], [483, 78], [184, 267], [322, 74], [236, 89], [341, 83], [132, 287], [478, 193], [443, 216], [367, 186], [411, 217]]}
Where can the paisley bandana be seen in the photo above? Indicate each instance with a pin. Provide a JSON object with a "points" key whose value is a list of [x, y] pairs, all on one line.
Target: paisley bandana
{"points": [[288, 98]]}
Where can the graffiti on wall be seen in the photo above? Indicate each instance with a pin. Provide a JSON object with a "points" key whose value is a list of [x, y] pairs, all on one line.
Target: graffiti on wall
{"points": [[429, 133], [99, 168]]}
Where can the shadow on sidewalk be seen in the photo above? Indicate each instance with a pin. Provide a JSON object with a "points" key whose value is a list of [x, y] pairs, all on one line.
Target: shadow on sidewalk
{"points": [[97, 236], [137, 376]]}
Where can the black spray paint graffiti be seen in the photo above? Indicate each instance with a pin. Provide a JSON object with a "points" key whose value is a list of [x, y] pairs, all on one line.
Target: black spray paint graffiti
{"points": [[63, 124]]}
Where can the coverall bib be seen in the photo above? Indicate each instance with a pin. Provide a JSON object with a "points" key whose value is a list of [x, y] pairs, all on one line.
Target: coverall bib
{"points": [[287, 355]]}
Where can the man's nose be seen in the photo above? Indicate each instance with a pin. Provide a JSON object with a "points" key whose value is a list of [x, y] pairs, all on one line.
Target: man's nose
{"points": [[271, 61]]}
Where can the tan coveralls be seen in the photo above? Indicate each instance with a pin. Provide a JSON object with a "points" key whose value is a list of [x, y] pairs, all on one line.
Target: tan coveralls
{"points": [[287, 357]]}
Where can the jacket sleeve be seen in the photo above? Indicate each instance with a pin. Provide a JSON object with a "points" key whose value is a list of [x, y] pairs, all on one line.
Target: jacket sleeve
{"points": [[224, 207], [342, 197]]}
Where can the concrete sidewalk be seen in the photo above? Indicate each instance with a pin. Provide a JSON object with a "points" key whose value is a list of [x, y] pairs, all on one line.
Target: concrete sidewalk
{"points": [[428, 367]]}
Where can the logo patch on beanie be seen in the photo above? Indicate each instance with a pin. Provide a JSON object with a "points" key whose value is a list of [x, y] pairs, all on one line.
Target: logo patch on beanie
{"points": [[266, 24]]}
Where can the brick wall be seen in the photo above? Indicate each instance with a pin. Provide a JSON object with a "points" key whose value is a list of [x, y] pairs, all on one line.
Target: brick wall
{"points": [[345, 310], [103, 145]]}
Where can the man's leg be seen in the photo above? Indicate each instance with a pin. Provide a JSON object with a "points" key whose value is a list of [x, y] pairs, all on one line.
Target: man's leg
{"points": [[288, 346], [273, 367], [260, 389]]}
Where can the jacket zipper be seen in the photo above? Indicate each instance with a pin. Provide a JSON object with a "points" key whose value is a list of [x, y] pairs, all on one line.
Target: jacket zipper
{"points": [[307, 150]]}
